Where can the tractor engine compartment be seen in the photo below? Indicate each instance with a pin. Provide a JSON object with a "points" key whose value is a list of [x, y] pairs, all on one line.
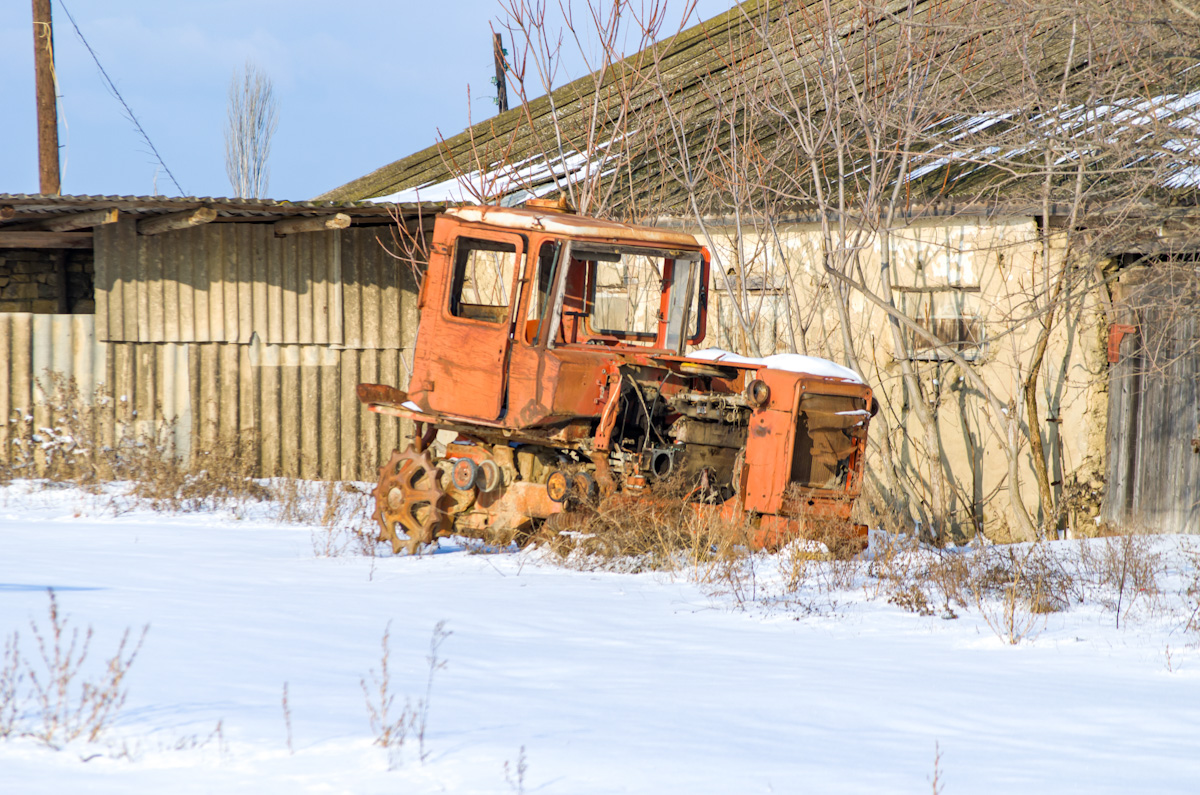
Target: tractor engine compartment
{"points": [[692, 437]]}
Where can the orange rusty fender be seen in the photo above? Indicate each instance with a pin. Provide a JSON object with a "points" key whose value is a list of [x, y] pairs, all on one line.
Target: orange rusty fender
{"points": [[829, 385], [415, 415], [771, 439]]}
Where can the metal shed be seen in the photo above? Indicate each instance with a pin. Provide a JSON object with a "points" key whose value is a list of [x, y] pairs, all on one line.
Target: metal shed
{"points": [[211, 319]]}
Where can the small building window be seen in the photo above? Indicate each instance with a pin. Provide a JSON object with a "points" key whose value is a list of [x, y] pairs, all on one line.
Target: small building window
{"points": [[950, 314], [766, 313], [483, 281]]}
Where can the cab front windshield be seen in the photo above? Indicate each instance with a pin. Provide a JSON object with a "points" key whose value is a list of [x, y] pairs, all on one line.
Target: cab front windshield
{"points": [[611, 294]]}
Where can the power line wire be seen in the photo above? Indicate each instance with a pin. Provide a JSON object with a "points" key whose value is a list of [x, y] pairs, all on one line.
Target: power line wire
{"points": [[113, 90]]}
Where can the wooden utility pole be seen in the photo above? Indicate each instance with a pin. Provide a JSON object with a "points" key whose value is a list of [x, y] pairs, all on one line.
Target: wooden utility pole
{"points": [[47, 101], [501, 81]]}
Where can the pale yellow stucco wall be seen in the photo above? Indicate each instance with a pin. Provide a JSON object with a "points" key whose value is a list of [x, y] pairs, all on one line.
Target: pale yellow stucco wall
{"points": [[998, 264]]}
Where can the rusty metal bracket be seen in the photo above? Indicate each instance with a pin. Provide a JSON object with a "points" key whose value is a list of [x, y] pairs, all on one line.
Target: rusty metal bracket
{"points": [[608, 417], [1116, 332]]}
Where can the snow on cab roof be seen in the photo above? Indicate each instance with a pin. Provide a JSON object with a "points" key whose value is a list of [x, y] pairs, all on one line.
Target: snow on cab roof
{"points": [[560, 223], [791, 362]]}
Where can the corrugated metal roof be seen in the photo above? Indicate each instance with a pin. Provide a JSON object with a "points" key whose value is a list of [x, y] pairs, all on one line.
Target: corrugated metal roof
{"points": [[25, 205], [514, 154]]}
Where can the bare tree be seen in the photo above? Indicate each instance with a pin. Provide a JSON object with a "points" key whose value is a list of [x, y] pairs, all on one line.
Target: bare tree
{"points": [[864, 118], [253, 116], [1092, 125]]}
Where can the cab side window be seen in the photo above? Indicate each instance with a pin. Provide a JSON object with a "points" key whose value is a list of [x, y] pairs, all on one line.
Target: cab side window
{"points": [[483, 279], [539, 301]]}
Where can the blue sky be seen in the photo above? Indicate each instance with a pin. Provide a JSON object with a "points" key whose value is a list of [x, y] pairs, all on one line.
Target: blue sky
{"points": [[360, 83]]}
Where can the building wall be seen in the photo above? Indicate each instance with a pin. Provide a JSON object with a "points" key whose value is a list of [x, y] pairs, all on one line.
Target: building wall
{"points": [[984, 272], [227, 333], [35, 280]]}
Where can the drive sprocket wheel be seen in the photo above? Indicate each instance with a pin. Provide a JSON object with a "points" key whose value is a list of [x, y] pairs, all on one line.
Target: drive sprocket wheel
{"points": [[410, 494]]}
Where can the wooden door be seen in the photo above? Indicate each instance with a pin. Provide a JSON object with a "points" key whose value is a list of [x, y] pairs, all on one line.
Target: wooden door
{"points": [[1154, 408]]}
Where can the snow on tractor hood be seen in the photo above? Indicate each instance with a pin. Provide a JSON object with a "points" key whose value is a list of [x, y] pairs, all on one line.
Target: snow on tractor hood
{"points": [[791, 362]]}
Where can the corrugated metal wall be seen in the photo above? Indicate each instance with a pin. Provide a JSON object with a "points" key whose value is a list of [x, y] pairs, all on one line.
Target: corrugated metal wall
{"points": [[293, 406], [32, 346], [226, 332], [227, 282], [296, 406], [376, 289]]}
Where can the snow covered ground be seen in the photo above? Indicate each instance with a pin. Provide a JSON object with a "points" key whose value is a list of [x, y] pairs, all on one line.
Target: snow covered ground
{"points": [[609, 682]]}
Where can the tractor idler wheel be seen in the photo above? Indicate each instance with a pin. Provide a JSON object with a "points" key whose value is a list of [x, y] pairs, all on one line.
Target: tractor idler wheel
{"points": [[409, 498], [489, 477]]}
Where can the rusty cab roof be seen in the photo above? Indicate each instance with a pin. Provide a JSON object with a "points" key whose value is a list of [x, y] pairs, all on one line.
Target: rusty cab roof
{"points": [[571, 225]]}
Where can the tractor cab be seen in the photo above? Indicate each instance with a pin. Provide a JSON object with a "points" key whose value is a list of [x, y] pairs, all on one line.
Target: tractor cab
{"points": [[522, 308]]}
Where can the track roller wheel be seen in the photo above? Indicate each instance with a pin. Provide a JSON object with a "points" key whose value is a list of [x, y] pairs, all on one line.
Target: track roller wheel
{"points": [[490, 476], [464, 474], [558, 485]]}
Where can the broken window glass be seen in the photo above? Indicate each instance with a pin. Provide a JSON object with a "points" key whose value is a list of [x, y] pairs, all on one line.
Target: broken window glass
{"points": [[483, 280]]}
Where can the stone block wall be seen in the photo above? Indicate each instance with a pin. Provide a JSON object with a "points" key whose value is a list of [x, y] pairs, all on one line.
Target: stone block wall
{"points": [[31, 280]]}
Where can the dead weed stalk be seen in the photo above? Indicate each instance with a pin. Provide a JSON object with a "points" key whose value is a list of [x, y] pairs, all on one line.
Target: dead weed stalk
{"points": [[515, 776], [391, 728], [11, 677], [287, 718], [68, 705], [1191, 592], [631, 534], [1122, 571]]}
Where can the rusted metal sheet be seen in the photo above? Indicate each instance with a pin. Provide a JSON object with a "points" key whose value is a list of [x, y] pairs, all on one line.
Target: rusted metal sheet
{"points": [[566, 224], [1117, 332]]}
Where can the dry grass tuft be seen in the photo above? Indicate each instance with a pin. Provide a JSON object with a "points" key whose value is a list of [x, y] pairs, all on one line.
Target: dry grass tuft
{"points": [[72, 443], [1124, 571], [1191, 591], [632, 534], [66, 703], [221, 477]]}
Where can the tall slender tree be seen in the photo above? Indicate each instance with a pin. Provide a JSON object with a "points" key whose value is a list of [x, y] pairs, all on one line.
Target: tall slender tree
{"points": [[253, 115]]}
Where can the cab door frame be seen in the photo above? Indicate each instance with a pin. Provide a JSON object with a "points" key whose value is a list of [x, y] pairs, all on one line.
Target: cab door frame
{"points": [[463, 367]]}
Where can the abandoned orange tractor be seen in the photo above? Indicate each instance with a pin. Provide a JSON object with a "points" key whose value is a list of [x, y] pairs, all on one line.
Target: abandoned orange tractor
{"points": [[553, 354]]}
